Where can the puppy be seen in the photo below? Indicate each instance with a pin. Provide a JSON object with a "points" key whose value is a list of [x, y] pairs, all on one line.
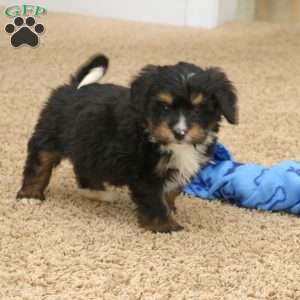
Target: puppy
{"points": [[152, 137]]}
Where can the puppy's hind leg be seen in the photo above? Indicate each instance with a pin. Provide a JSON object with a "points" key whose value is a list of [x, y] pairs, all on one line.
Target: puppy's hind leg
{"points": [[37, 172]]}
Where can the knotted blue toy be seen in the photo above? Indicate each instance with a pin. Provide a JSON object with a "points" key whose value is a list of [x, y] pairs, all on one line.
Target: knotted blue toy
{"points": [[248, 185]]}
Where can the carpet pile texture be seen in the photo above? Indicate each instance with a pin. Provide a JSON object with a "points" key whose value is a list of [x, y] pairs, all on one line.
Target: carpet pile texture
{"points": [[74, 248]]}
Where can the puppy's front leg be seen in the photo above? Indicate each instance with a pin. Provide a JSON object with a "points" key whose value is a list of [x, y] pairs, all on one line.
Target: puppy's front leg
{"points": [[153, 210]]}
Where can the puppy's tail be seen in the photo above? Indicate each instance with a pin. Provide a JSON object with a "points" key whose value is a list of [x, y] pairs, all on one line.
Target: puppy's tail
{"points": [[91, 72]]}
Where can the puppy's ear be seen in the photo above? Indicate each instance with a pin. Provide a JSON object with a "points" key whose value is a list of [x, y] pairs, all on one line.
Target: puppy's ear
{"points": [[140, 86], [221, 89]]}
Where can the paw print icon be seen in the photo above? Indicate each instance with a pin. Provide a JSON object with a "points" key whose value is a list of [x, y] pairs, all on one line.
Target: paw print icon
{"points": [[24, 32]]}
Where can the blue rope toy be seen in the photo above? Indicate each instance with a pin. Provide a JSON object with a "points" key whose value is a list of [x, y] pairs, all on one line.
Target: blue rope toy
{"points": [[248, 185]]}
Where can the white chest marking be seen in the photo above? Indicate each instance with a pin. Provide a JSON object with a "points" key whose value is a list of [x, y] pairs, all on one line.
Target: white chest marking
{"points": [[186, 159]]}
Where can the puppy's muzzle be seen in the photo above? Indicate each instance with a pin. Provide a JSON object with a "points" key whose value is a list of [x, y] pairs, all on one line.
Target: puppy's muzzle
{"points": [[180, 129], [179, 133]]}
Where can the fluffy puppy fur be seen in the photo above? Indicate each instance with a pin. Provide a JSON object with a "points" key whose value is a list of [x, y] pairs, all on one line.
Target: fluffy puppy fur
{"points": [[152, 137]]}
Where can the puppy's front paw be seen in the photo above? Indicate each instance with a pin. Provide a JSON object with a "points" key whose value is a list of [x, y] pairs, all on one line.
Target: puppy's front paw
{"points": [[159, 225]]}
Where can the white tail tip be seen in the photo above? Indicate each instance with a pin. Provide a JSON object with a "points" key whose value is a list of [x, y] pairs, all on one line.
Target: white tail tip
{"points": [[93, 76]]}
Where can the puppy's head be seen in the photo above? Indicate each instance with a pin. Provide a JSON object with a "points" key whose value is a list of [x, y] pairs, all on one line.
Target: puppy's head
{"points": [[183, 103]]}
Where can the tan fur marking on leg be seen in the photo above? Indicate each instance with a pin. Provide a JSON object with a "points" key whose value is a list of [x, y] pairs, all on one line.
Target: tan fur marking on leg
{"points": [[171, 197], [35, 185]]}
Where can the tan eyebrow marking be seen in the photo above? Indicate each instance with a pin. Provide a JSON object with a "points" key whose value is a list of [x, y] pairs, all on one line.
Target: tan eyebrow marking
{"points": [[166, 97], [197, 99]]}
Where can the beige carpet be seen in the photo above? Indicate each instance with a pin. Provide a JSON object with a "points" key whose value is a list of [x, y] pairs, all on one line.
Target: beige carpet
{"points": [[73, 248]]}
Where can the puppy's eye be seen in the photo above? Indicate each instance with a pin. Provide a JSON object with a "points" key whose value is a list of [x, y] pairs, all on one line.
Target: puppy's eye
{"points": [[165, 107]]}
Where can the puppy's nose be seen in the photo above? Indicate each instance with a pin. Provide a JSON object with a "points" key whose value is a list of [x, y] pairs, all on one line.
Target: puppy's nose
{"points": [[180, 134]]}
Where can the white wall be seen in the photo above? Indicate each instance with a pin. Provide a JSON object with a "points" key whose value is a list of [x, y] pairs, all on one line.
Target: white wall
{"points": [[197, 13], [227, 11], [201, 13]]}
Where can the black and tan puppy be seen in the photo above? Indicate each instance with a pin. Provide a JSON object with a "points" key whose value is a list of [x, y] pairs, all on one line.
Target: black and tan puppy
{"points": [[152, 137]]}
